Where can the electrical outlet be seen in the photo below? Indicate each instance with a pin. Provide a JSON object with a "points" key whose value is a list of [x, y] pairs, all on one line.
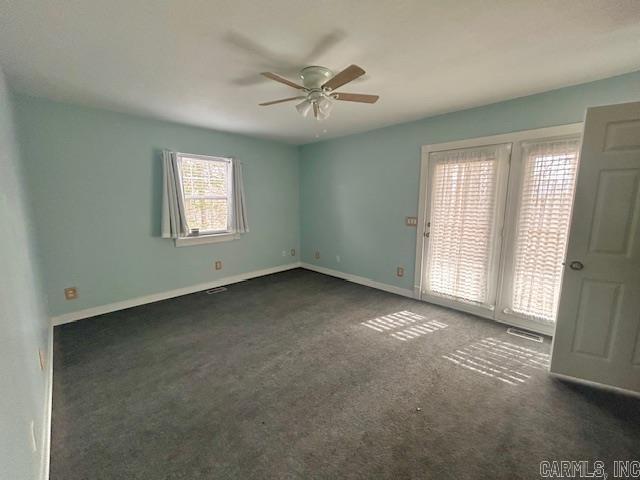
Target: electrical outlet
{"points": [[43, 360], [284, 253], [293, 252], [317, 255], [400, 272], [411, 221], [218, 265], [338, 258], [70, 293]]}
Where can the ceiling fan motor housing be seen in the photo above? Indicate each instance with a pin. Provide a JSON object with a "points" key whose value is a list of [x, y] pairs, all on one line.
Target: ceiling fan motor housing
{"points": [[314, 77]]}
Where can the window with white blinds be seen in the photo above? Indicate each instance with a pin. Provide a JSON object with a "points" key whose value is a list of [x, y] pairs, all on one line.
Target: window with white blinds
{"points": [[206, 188], [462, 222], [542, 225]]}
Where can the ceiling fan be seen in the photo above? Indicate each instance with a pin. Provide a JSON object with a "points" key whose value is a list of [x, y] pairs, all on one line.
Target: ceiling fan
{"points": [[318, 85]]}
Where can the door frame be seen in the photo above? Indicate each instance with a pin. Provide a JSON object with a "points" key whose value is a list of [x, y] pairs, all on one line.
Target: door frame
{"points": [[515, 139]]}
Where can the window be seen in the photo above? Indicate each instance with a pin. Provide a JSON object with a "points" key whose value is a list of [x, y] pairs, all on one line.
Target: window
{"points": [[207, 191]]}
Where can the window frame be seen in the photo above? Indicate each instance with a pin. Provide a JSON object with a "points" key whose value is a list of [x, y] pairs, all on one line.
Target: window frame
{"points": [[209, 236]]}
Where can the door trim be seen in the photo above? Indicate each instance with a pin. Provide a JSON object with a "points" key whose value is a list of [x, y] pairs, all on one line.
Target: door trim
{"points": [[514, 138]]}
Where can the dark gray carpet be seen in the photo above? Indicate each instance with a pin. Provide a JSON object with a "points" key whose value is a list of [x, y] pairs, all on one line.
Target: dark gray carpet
{"points": [[279, 378]]}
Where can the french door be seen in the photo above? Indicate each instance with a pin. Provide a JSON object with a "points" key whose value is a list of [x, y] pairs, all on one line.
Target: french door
{"points": [[495, 214], [465, 198]]}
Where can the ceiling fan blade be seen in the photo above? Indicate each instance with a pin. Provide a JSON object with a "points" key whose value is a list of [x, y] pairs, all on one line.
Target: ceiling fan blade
{"points": [[280, 101], [278, 78], [345, 76], [356, 97]]}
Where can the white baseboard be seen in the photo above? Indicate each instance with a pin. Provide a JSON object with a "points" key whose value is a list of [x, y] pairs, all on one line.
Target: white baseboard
{"points": [[599, 386], [134, 302], [48, 403], [405, 292]]}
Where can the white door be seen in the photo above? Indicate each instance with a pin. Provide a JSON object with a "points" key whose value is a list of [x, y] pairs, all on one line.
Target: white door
{"points": [[465, 205], [597, 335]]}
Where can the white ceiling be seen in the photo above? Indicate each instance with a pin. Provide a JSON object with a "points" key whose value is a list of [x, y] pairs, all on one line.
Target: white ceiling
{"points": [[198, 61]]}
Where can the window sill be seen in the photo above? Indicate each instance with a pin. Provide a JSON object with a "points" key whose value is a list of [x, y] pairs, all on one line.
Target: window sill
{"points": [[204, 239]]}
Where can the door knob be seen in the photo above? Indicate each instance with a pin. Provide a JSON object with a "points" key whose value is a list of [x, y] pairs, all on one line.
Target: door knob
{"points": [[575, 265]]}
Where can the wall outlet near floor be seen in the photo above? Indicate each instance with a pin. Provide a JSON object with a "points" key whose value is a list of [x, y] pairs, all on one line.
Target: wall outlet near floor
{"points": [[317, 255], [400, 271], [411, 221], [42, 358], [218, 264], [338, 258], [293, 252], [70, 293], [284, 253]]}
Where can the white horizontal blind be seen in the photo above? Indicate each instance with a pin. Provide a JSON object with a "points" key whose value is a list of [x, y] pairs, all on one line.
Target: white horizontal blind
{"points": [[542, 226], [462, 222], [206, 187]]}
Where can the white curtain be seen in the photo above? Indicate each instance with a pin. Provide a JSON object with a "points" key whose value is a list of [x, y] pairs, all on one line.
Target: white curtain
{"points": [[546, 199], [240, 221], [462, 222], [174, 220]]}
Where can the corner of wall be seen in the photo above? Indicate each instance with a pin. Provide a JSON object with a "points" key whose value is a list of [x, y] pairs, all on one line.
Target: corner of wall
{"points": [[300, 215], [27, 332]]}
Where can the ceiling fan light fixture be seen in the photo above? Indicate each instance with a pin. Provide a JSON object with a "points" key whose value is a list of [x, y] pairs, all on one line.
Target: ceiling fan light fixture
{"points": [[304, 107], [325, 106], [322, 115]]}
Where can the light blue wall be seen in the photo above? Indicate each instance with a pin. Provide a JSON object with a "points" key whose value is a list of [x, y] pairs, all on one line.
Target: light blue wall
{"points": [[95, 179], [356, 191], [23, 322]]}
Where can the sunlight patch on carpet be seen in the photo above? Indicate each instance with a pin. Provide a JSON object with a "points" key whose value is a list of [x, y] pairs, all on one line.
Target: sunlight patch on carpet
{"points": [[404, 325], [504, 361]]}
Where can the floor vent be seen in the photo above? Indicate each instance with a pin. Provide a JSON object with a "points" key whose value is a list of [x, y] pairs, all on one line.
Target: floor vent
{"points": [[216, 290], [524, 334]]}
